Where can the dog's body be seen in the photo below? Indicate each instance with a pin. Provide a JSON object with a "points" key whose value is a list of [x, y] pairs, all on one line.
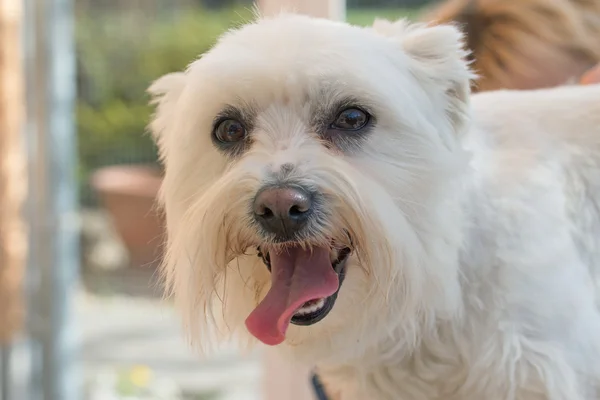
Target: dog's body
{"points": [[473, 247], [530, 263]]}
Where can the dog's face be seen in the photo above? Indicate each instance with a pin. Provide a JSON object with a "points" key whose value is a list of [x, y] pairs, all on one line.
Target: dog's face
{"points": [[307, 165]]}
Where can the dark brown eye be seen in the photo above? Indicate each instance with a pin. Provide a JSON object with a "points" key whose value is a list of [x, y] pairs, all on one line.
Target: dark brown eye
{"points": [[230, 131], [351, 119]]}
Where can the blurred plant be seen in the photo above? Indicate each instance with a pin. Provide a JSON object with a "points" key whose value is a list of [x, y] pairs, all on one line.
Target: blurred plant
{"points": [[139, 383], [118, 56]]}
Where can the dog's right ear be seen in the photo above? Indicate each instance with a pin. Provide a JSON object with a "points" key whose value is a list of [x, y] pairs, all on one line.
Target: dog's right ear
{"points": [[164, 93]]}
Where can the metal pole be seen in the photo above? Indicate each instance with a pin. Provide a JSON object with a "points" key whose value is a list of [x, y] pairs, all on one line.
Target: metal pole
{"points": [[53, 202], [34, 389], [5, 356]]}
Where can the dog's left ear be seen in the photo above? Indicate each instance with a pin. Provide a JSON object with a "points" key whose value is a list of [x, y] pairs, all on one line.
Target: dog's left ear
{"points": [[164, 93], [438, 58]]}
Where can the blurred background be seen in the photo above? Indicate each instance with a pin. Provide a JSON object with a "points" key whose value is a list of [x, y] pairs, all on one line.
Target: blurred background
{"points": [[81, 314]]}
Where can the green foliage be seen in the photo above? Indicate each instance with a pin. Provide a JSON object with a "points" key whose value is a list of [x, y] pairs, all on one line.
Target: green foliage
{"points": [[118, 56]]}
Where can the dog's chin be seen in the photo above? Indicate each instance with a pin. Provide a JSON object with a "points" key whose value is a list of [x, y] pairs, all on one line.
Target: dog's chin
{"points": [[315, 310]]}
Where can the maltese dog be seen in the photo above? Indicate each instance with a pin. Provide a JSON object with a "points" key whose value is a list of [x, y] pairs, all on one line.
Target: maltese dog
{"points": [[337, 192]]}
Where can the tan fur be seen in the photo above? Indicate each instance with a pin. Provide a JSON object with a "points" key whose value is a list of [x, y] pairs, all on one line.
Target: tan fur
{"points": [[526, 44]]}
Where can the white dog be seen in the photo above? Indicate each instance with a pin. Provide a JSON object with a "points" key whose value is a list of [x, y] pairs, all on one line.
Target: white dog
{"points": [[332, 190]]}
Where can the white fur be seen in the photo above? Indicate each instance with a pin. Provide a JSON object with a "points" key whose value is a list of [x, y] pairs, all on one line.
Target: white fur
{"points": [[477, 244]]}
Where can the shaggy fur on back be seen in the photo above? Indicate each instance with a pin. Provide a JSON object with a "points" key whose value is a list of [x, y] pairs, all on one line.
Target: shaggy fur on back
{"points": [[526, 44], [473, 221]]}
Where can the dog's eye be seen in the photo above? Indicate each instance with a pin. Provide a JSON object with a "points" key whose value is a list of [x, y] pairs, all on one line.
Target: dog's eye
{"points": [[351, 119], [230, 131]]}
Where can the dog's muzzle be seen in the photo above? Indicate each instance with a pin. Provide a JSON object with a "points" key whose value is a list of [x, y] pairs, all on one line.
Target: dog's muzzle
{"points": [[283, 211]]}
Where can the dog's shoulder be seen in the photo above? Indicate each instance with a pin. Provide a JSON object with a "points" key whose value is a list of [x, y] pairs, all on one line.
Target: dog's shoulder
{"points": [[539, 119], [537, 148]]}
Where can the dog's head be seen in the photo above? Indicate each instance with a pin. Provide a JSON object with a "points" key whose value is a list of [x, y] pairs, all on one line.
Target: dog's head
{"points": [[311, 175]]}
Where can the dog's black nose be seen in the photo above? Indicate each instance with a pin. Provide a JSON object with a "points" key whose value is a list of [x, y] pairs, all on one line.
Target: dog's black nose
{"points": [[283, 211]]}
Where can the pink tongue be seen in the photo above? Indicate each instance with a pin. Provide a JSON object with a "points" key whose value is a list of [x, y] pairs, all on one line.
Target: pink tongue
{"points": [[297, 276]]}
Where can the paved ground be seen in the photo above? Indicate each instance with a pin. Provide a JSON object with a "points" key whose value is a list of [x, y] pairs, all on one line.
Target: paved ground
{"points": [[119, 331], [123, 330]]}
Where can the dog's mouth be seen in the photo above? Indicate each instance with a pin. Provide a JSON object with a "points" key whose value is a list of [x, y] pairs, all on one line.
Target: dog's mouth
{"points": [[304, 286], [315, 310]]}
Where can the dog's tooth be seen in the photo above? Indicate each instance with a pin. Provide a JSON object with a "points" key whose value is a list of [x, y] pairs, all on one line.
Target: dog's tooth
{"points": [[311, 308], [333, 254]]}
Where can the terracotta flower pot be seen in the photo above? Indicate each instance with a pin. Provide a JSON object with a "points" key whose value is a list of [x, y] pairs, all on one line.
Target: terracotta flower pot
{"points": [[128, 193], [592, 76]]}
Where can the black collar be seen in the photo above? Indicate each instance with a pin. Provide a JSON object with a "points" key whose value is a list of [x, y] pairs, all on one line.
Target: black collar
{"points": [[318, 388]]}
